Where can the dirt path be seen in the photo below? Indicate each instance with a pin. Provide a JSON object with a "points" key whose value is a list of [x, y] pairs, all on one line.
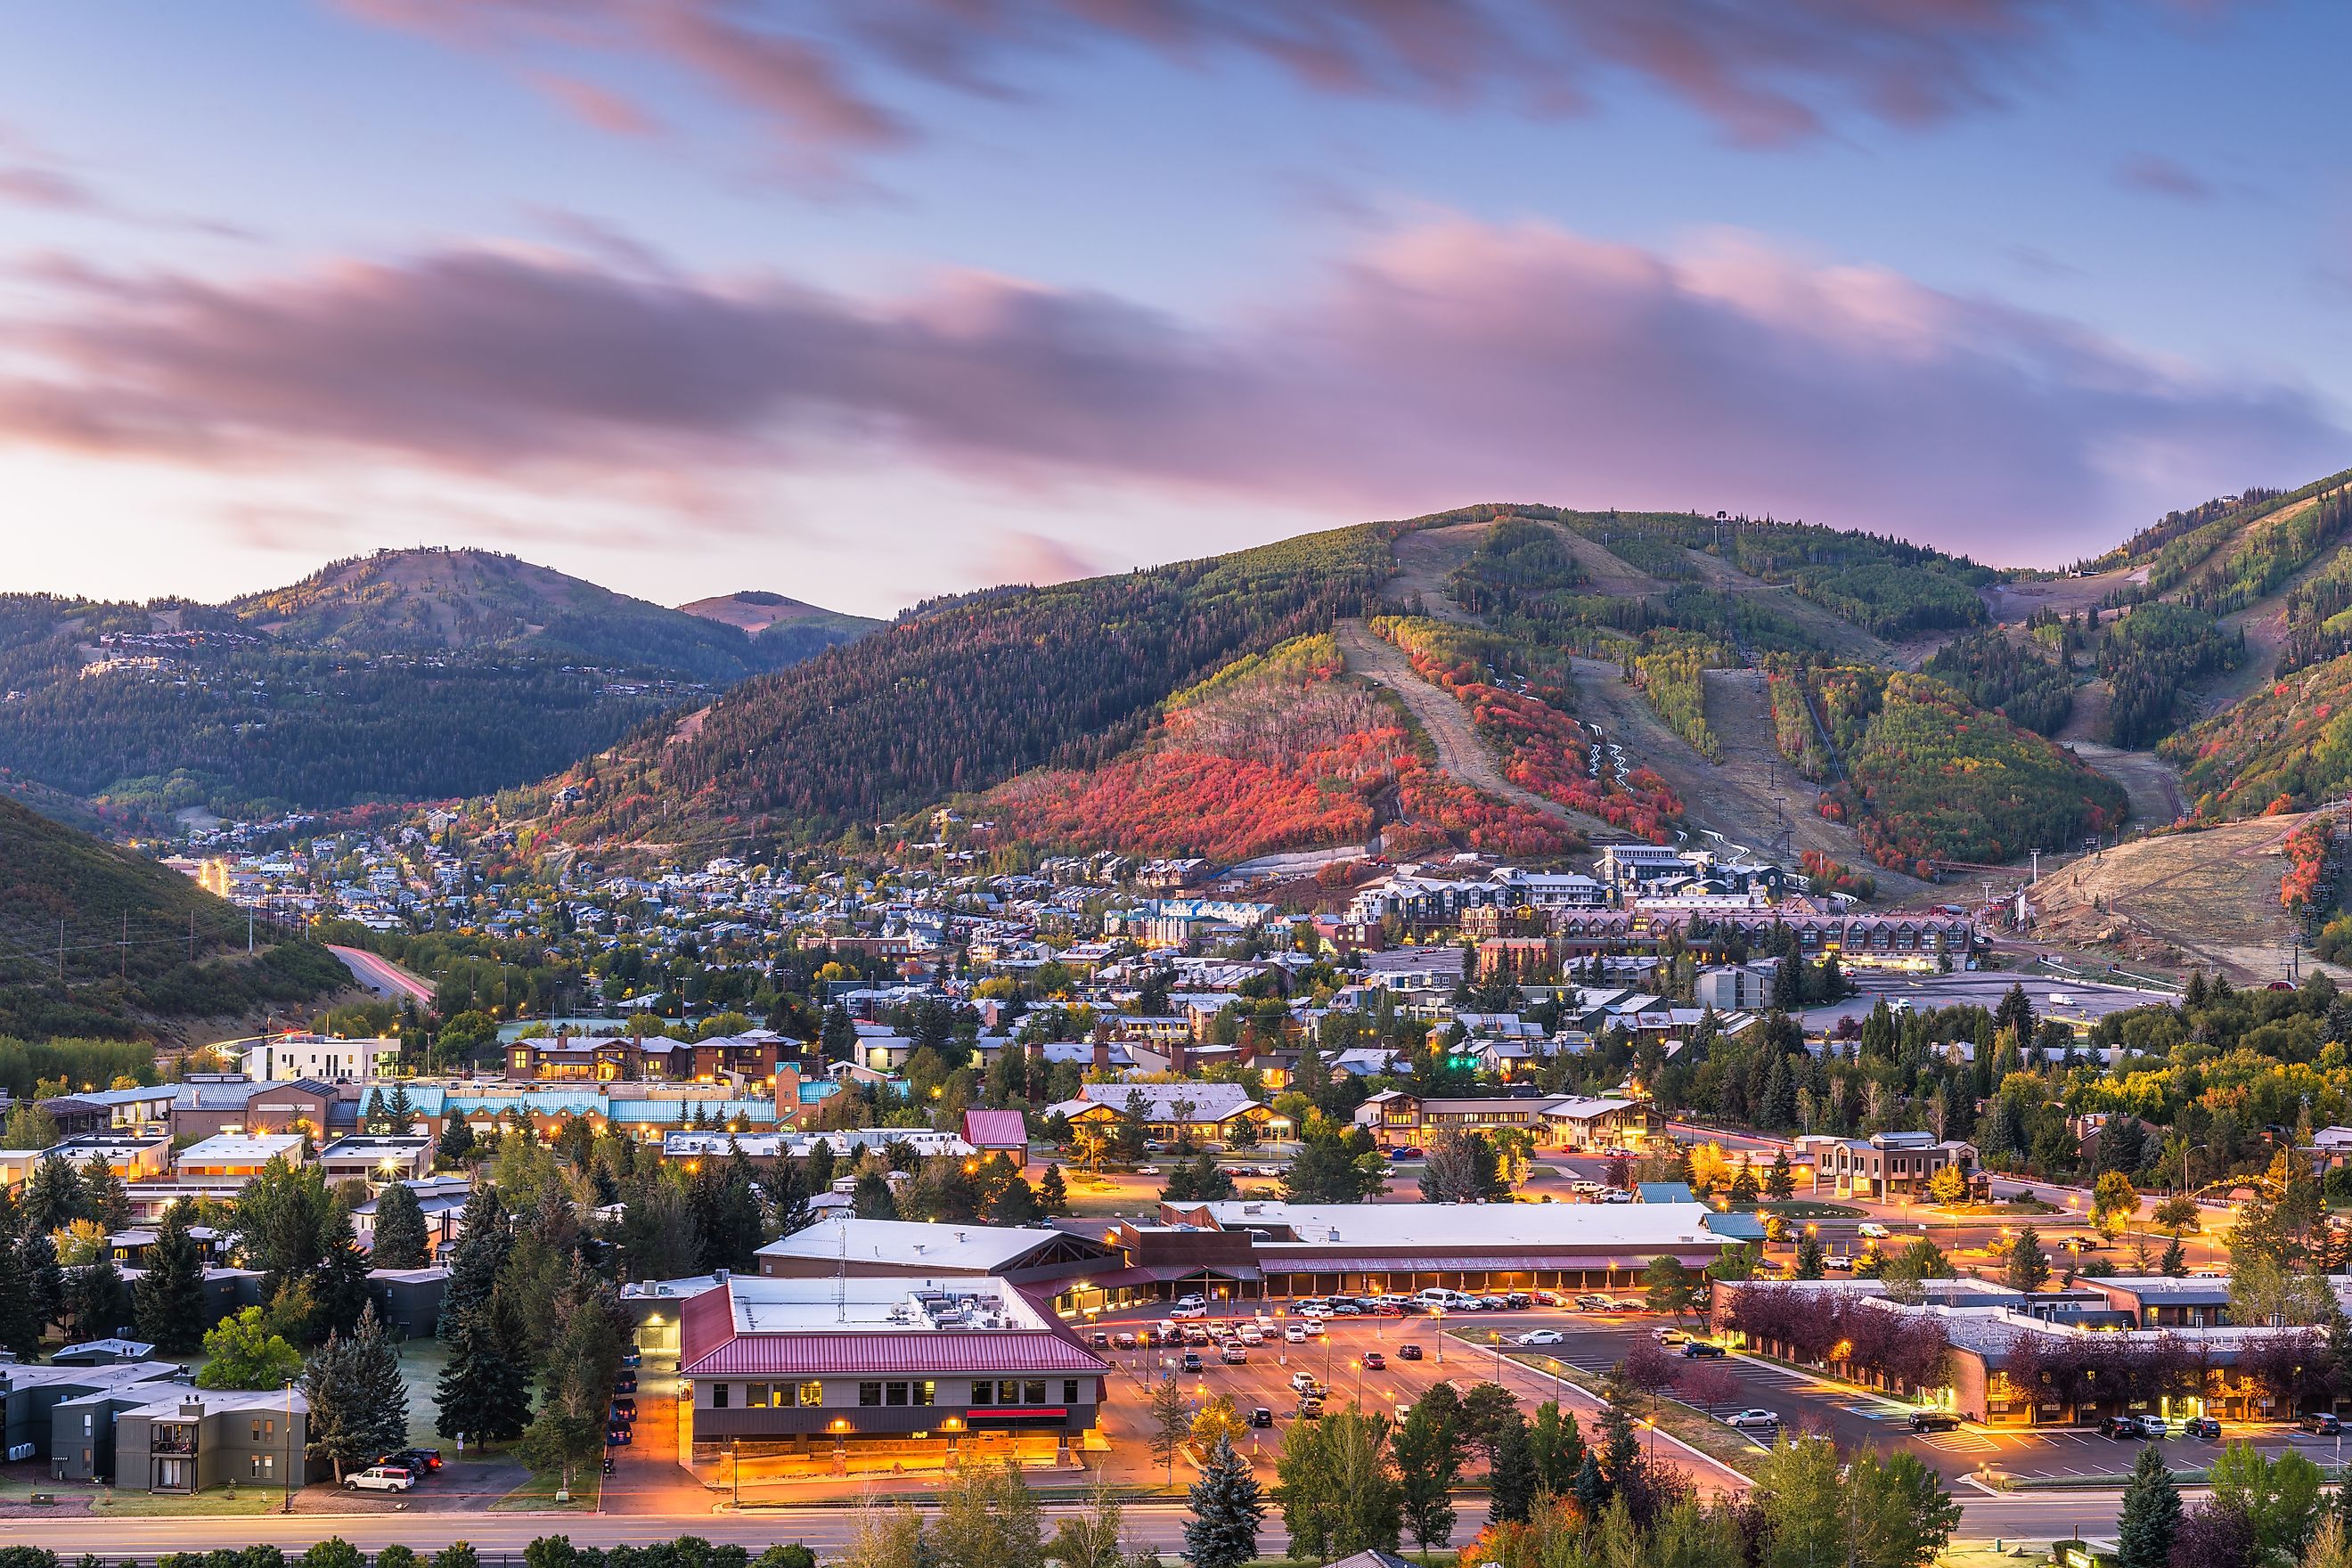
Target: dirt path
{"points": [[1460, 752], [1734, 798], [1424, 560]]}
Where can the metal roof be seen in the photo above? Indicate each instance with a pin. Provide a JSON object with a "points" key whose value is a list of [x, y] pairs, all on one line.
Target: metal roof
{"points": [[988, 1351]]}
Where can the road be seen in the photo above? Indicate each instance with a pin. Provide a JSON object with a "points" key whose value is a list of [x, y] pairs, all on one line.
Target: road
{"points": [[824, 1527], [382, 976]]}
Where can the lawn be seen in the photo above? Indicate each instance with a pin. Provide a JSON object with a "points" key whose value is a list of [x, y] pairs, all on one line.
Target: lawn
{"points": [[1810, 1208], [538, 1494]]}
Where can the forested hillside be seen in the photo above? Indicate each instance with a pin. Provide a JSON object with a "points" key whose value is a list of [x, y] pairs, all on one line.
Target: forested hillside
{"points": [[404, 675], [96, 941], [971, 691]]}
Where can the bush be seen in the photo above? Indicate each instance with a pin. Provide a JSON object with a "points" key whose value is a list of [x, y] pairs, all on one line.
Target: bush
{"points": [[396, 1557], [792, 1556], [27, 1557], [332, 1552], [457, 1554]]}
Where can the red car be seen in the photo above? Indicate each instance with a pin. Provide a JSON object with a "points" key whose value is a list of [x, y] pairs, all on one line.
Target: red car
{"points": [[1375, 1362]]}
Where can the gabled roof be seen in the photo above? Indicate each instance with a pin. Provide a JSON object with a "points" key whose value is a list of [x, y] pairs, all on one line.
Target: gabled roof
{"points": [[995, 1129]]}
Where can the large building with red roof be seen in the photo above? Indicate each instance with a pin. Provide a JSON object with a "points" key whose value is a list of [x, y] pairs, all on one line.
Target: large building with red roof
{"points": [[855, 1367]]}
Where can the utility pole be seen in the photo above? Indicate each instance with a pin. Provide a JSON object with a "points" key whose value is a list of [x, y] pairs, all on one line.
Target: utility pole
{"points": [[2037, 867], [122, 953]]}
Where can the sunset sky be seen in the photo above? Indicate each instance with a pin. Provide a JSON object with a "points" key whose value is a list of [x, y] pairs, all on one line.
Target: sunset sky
{"points": [[863, 301]]}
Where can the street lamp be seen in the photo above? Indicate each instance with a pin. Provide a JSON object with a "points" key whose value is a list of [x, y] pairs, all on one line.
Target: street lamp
{"points": [[288, 1506]]}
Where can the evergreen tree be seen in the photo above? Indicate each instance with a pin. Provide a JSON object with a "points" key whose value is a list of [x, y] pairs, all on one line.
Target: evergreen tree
{"points": [[371, 1116], [97, 1301], [171, 1308], [1591, 1486], [484, 1393], [1811, 1262], [874, 1198], [457, 1140], [485, 1240], [359, 1405], [2027, 1267], [789, 1195], [2175, 1261], [37, 1261], [1620, 1448], [400, 1235], [820, 1168], [104, 1197], [1558, 1446], [1779, 1181], [53, 1196], [400, 1112], [1511, 1480], [340, 1284], [1053, 1193], [20, 1323], [1226, 1512], [2151, 1514]]}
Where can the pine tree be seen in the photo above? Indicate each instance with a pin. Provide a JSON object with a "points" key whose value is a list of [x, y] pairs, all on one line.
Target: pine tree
{"points": [[1591, 1487], [340, 1284], [20, 1327], [53, 1196], [457, 1140], [1053, 1193], [1812, 1263], [2151, 1515], [484, 1394], [1511, 1480], [1428, 1463], [400, 1112], [821, 1167], [789, 1195], [104, 1197], [1558, 1445], [484, 1241], [2027, 1267], [37, 1258], [359, 1405], [371, 1116], [1226, 1512], [173, 1311], [1779, 1181], [97, 1301], [1620, 1448], [400, 1237]]}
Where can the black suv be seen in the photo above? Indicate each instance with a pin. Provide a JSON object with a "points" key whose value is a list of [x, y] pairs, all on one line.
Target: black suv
{"points": [[2322, 1423], [1934, 1421], [2122, 1427]]}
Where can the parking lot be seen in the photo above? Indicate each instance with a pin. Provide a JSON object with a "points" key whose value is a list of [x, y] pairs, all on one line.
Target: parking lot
{"points": [[1592, 1342]]}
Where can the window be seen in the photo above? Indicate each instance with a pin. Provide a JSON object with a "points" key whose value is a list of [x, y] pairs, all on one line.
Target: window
{"points": [[895, 1393], [925, 1392], [1008, 1391], [263, 1431], [811, 1393], [1034, 1392], [1069, 1391], [261, 1467], [755, 1396], [984, 1393], [869, 1393], [718, 1396]]}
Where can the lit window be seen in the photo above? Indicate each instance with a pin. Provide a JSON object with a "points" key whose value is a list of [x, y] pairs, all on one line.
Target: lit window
{"points": [[755, 1396], [811, 1393], [924, 1392]]}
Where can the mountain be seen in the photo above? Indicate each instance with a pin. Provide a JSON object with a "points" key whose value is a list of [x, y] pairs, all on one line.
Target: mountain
{"points": [[789, 628], [404, 675], [1520, 678], [99, 941]]}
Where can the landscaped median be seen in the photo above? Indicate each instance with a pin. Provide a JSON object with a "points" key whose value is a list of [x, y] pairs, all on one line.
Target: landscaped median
{"points": [[1684, 1422]]}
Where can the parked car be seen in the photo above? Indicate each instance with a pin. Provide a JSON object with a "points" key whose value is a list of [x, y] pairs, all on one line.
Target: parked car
{"points": [[1701, 1348], [633, 1356], [1304, 1382], [381, 1479], [1295, 1334], [1100, 1339], [1310, 1410], [1194, 1334], [627, 1382], [420, 1461], [1518, 1301], [1551, 1298], [1193, 1299], [1408, 1353], [2156, 1426], [625, 1408], [1542, 1337], [2321, 1423], [1183, 1314], [1934, 1421], [1235, 1355], [1191, 1362], [1407, 1151], [1668, 1336], [1146, 1170], [1873, 1229], [618, 1437], [1123, 1340], [1261, 1416], [2204, 1426], [1375, 1362], [1753, 1418], [2121, 1427]]}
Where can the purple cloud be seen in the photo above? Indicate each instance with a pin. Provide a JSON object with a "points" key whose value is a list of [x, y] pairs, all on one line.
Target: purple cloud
{"points": [[2156, 174], [1452, 361], [819, 70]]}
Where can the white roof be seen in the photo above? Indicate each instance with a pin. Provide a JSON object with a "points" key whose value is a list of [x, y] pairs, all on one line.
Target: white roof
{"points": [[952, 1248], [241, 1149], [1439, 1226], [1583, 1108], [875, 1304]]}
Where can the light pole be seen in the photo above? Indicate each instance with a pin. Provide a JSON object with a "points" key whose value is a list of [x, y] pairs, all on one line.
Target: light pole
{"points": [[288, 1505]]}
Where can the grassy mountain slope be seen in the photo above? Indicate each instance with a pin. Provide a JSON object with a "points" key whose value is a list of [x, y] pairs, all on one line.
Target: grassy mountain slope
{"points": [[144, 950], [785, 630], [404, 675]]}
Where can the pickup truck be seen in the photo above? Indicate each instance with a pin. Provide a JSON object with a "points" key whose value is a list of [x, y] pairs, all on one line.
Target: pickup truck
{"points": [[380, 1478]]}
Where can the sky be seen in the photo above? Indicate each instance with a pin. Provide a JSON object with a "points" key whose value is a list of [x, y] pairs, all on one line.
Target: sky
{"points": [[867, 300]]}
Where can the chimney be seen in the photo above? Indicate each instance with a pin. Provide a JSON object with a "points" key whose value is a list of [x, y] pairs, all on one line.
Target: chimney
{"points": [[1102, 1049]]}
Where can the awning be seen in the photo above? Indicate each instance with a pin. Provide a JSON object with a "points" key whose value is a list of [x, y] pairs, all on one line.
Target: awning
{"points": [[1162, 1274], [1318, 1263]]}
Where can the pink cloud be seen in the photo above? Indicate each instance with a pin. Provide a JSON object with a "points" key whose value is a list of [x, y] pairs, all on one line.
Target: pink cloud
{"points": [[820, 71], [1449, 360]]}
